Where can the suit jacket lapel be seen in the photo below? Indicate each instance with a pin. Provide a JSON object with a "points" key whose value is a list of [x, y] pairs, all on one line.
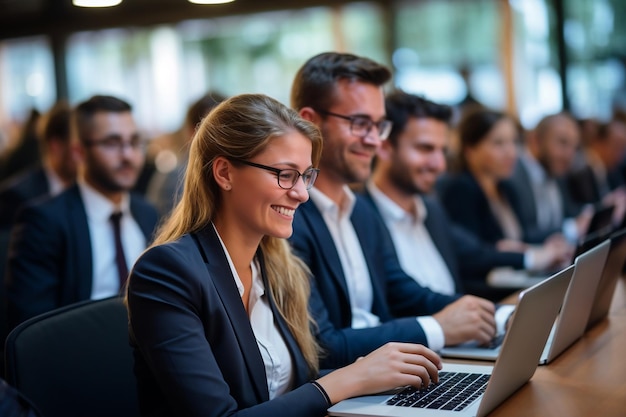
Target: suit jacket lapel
{"points": [[144, 219], [361, 221], [528, 204], [81, 240], [222, 277], [300, 367], [434, 222], [321, 234], [40, 185]]}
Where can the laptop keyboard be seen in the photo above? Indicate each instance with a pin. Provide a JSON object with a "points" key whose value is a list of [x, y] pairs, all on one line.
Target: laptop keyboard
{"points": [[454, 391]]}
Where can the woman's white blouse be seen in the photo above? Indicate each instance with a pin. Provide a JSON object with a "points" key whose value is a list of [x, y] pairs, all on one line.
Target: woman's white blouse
{"points": [[274, 351]]}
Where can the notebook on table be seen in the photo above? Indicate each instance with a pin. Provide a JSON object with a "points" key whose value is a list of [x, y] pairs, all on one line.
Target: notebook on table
{"points": [[572, 319], [477, 389]]}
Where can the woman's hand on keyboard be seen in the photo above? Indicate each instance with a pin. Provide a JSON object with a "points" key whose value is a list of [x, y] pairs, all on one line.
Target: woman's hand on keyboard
{"points": [[390, 366]]}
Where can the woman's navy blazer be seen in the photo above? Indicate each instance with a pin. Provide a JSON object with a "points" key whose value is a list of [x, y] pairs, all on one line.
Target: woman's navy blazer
{"points": [[195, 350]]}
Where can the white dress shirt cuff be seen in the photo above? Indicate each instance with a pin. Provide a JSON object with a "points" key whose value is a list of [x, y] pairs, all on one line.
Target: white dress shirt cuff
{"points": [[433, 331], [528, 260], [503, 312], [570, 230]]}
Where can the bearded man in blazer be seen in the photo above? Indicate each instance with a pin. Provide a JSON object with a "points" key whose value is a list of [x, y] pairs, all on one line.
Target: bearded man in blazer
{"points": [[401, 191], [55, 173], [62, 248]]}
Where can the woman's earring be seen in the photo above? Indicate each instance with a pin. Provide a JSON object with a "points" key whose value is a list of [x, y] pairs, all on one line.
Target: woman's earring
{"points": [[227, 187]]}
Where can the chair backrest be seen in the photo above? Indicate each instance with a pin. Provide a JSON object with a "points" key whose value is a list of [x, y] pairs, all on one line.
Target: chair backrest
{"points": [[14, 404], [5, 234], [75, 361]]}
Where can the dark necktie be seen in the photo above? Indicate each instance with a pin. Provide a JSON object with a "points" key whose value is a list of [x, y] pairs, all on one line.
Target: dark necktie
{"points": [[120, 260]]}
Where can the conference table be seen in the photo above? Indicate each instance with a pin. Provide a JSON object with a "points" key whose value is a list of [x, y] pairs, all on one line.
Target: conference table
{"points": [[588, 379]]}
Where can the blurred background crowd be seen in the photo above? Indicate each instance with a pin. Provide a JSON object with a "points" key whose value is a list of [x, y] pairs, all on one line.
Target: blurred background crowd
{"points": [[520, 61]]}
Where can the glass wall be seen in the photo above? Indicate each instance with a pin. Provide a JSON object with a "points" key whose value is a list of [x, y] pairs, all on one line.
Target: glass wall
{"points": [[161, 70], [596, 37], [500, 53], [455, 52], [448, 51], [26, 82]]}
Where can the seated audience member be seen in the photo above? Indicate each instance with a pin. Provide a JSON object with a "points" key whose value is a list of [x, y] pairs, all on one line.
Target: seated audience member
{"points": [[23, 152], [434, 251], [65, 249], [539, 176], [165, 186], [360, 297], [469, 102], [218, 305], [600, 179], [56, 171], [479, 197]]}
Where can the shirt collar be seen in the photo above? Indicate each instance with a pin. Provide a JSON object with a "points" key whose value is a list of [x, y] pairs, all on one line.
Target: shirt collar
{"points": [[390, 209], [97, 206], [258, 289], [54, 181], [536, 171], [326, 205]]}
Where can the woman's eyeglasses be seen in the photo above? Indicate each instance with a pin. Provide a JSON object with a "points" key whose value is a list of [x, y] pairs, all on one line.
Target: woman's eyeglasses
{"points": [[287, 178]]}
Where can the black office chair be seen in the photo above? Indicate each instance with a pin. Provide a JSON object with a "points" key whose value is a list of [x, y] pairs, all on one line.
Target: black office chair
{"points": [[75, 361], [5, 234]]}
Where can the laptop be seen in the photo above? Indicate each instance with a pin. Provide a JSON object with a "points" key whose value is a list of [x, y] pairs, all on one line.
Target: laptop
{"points": [[602, 218], [484, 387], [572, 320], [612, 272]]}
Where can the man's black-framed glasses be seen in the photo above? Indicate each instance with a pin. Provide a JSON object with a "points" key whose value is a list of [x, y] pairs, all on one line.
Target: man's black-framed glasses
{"points": [[115, 143], [287, 177], [361, 126]]}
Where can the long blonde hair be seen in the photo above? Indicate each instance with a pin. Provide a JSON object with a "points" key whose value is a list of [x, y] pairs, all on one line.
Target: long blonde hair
{"points": [[241, 127]]}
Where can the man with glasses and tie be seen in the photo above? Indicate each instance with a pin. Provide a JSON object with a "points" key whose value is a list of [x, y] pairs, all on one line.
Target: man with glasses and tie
{"points": [[78, 245], [360, 296]]}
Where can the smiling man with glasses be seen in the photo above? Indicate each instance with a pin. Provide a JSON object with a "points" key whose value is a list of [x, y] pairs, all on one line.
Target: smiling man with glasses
{"points": [[360, 296], [78, 245]]}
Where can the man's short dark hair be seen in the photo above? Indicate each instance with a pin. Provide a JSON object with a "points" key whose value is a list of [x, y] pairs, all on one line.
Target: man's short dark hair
{"points": [[546, 122], [84, 112], [314, 83], [401, 106], [201, 107], [55, 124]]}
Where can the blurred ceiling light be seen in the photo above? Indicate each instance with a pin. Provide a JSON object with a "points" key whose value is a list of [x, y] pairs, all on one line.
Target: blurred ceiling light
{"points": [[96, 3], [210, 1]]}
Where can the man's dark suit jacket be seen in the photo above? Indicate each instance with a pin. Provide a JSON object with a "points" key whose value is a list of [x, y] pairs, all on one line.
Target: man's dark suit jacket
{"points": [[397, 298], [468, 207], [14, 193], [49, 261], [18, 190], [467, 258], [195, 351], [528, 205]]}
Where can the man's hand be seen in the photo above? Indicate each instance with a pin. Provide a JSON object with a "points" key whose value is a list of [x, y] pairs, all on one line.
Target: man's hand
{"points": [[556, 252], [468, 318], [511, 245]]}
